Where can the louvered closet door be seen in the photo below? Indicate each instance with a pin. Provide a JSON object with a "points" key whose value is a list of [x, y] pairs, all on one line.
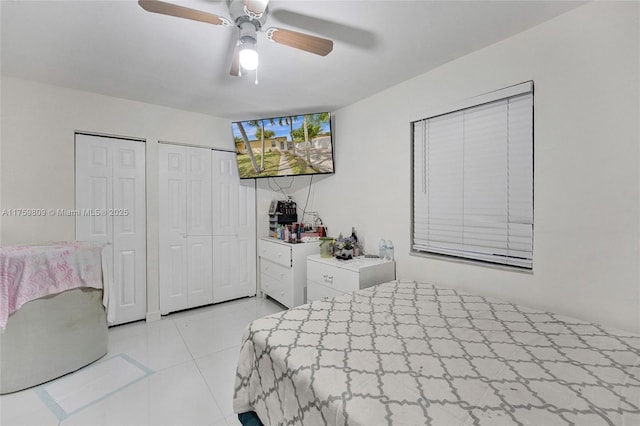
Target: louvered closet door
{"points": [[234, 230], [110, 181]]}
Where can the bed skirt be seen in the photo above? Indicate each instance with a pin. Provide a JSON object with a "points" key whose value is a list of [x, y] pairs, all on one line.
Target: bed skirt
{"points": [[52, 336]]}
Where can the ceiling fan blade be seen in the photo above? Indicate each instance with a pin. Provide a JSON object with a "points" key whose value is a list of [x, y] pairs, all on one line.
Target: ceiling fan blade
{"points": [[163, 8], [235, 62], [255, 8], [319, 46]]}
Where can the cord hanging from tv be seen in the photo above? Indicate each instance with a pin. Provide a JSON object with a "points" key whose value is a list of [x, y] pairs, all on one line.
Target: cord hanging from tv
{"points": [[292, 145]]}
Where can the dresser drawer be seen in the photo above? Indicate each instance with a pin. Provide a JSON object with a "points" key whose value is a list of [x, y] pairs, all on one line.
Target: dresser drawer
{"points": [[342, 280], [317, 291], [275, 252], [277, 287], [275, 270]]}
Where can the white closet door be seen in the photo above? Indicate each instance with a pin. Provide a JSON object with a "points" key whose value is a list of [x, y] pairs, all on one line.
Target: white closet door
{"points": [[199, 243], [198, 191], [129, 234], [185, 228], [110, 181], [199, 271], [94, 190], [225, 193], [173, 228], [246, 235], [234, 254]]}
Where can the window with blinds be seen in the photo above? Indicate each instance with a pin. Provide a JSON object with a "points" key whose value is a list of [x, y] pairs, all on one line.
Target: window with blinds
{"points": [[473, 180]]}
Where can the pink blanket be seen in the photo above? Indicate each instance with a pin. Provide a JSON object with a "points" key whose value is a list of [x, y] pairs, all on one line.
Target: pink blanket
{"points": [[31, 272]]}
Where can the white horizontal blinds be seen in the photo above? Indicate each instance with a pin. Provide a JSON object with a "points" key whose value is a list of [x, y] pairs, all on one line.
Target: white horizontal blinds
{"points": [[521, 178], [445, 179], [420, 200], [475, 198], [485, 188]]}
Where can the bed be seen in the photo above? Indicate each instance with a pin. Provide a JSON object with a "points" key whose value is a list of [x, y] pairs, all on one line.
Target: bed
{"points": [[52, 311], [406, 353]]}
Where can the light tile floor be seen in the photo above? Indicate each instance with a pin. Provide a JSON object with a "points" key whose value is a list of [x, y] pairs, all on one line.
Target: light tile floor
{"points": [[193, 355]]}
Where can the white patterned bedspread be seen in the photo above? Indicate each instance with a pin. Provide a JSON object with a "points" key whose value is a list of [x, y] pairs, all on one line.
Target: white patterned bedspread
{"points": [[406, 353], [31, 272]]}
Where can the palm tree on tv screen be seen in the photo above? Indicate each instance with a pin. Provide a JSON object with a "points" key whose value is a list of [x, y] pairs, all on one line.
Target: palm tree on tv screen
{"points": [[259, 134], [268, 134], [248, 146], [311, 127], [307, 144]]}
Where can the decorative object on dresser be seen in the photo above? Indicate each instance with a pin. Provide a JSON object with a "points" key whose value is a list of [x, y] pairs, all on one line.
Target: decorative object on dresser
{"points": [[333, 277], [326, 247], [281, 213], [283, 269], [349, 247]]}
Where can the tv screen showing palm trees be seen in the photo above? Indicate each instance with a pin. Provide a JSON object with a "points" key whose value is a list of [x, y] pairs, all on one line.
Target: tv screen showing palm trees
{"points": [[284, 146]]}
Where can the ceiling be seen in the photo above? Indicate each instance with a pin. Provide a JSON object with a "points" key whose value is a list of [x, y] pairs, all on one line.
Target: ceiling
{"points": [[116, 48]]}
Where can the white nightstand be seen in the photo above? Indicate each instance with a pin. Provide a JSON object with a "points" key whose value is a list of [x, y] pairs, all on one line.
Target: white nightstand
{"points": [[330, 277]]}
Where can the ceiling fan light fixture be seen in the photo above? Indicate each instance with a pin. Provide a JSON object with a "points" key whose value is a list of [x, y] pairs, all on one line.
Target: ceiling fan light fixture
{"points": [[248, 55], [248, 46]]}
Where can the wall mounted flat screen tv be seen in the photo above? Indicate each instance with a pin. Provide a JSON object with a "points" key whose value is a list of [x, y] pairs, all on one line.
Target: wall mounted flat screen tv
{"points": [[284, 146]]}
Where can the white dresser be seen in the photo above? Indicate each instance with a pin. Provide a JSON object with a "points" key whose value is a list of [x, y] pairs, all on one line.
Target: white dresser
{"points": [[283, 269], [330, 277]]}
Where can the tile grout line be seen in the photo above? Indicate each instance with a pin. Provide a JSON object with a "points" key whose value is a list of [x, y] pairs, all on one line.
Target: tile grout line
{"points": [[195, 362]]}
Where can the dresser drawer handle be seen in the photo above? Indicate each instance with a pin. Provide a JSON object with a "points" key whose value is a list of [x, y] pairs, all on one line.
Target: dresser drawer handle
{"points": [[328, 278]]}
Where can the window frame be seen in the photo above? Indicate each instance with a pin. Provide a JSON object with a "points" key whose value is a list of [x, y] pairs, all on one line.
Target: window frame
{"points": [[510, 92]]}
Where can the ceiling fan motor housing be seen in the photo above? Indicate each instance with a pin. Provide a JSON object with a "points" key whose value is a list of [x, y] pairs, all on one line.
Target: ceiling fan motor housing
{"points": [[240, 16], [247, 32]]}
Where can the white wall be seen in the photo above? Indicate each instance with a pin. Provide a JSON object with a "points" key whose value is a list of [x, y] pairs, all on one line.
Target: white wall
{"points": [[585, 65], [37, 144]]}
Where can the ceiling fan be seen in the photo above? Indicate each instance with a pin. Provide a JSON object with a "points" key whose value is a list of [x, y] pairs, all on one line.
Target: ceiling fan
{"points": [[249, 16]]}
